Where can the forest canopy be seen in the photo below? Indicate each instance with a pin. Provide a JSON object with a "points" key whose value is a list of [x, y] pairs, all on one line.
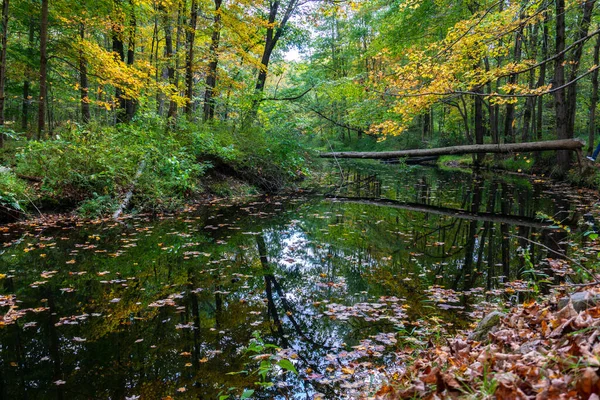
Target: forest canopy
{"points": [[272, 74]]}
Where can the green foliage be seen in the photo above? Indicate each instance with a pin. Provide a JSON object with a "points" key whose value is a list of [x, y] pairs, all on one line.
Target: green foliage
{"points": [[95, 166], [97, 206], [519, 163], [13, 191]]}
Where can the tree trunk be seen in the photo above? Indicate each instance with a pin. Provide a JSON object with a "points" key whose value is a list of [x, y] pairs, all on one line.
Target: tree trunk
{"points": [[119, 49], [189, 60], [479, 127], [509, 118], [566, 145], [274, 32], [172, 113], [560, 104], [493, 109], [211, 76], [130, 103], [539, 124], [530, 102], [583, 28], [43, 69], [3, 64], [83, 81], [594, 98], [26, 83]]}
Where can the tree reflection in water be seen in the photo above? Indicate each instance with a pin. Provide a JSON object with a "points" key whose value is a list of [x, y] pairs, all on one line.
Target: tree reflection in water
{"points": [[165, 306]]}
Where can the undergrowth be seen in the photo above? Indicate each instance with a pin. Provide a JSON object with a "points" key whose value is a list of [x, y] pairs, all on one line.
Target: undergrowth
{"points": [[92, 167]]}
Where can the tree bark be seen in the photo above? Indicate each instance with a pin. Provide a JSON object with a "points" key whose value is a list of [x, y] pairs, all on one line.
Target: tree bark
{"points": [[26, 83], [539, 123], [560, 102], [172, 113], [528, 126], [83, 81], [189, 60], [509, 119], [43, 70], [479, 127], [594, 98], [119, 49], [583, 28], [273, 34], [4, 41], [211, 76], [130, 103], [566, 145]]}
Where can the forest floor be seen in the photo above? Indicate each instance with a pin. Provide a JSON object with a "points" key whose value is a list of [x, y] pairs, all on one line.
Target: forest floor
{"points": [[545, 349]]}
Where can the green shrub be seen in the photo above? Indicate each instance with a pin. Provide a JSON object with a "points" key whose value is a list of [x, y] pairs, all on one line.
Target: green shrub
{"points": [[95, 166], [97, 206], [13, 191]]}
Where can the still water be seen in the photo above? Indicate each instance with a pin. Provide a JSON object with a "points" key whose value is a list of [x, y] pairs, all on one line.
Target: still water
{"points": [[167, 305]]}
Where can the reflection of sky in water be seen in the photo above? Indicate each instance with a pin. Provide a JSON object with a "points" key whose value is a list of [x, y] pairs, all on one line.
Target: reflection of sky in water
{"points": [[163, 304]]}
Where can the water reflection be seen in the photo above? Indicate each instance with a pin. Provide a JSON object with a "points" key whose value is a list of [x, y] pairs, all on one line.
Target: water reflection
{"points": [[165, 306]]}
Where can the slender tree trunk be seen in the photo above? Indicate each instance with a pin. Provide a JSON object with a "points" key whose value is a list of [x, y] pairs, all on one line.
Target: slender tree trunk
{"points": [[479, 126], [594, 98], [172, 113], [83, 81], [189, 61], [560, 101], [274, 32], [493, 119], [426, 125], [530, 102], [211, 77], [43, 70], [509, 118], [464, 112], [179, 42], [119, 49], [583, 28], [4, 41], [26, 84], [130, 104], [542, 79]]}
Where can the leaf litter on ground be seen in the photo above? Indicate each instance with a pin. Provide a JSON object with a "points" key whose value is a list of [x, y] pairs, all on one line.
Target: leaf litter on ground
{"points": [[538, 351]]}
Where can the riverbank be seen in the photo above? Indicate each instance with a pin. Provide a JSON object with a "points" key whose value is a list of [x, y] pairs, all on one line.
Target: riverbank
{"points": [[549, 348], [91, 170]]}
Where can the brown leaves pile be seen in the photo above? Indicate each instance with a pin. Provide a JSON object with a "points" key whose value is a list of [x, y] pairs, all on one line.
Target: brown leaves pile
{"points": [[537, 352]]}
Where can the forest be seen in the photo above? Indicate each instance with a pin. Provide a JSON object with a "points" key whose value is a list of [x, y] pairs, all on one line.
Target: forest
{"points": [[90, 89], [178, 218]]}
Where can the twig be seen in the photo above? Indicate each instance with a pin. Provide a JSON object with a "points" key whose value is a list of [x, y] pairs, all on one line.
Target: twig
{"points": [[33, 204], [336, 160], [596, 282]]}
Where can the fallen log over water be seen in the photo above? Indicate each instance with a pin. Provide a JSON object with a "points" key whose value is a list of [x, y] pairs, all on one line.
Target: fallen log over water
{"points": [[450, 212], [565, 144]]}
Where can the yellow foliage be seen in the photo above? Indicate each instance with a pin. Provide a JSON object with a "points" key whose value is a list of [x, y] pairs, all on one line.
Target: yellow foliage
{"points": [[457, 65]]}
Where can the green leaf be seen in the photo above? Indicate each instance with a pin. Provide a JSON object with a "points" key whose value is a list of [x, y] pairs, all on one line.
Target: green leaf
{"points": [[247, 393], [288, 366]]}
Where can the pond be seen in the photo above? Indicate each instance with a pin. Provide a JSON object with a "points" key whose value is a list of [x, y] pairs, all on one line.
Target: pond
{"points": [[178, 305]]}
